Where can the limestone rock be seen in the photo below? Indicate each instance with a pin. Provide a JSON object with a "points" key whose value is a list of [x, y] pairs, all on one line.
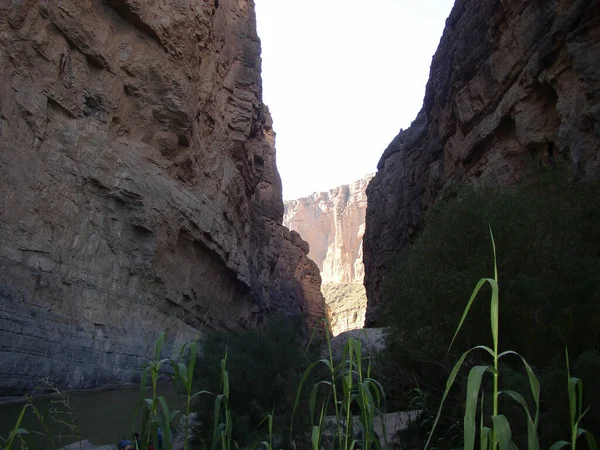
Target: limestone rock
{"points": [[333, 224], [510, 79], [346, 306], [372, 341], [138, 186]]}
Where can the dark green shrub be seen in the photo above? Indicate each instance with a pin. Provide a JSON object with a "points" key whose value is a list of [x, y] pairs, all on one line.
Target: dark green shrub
{"points": [[548, 245], [265, 367]]}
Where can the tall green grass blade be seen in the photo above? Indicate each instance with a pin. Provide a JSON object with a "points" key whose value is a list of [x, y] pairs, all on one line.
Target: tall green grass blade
{"points": [[158, 345], [200, 393], [313, 400], [591, 440], [494, 251], [502, 431], [449, 384], [558, 445], [183, 374], [575, 398], [473, 386], [532, 437], [305, 376], [165, 419], [494, 319], [484, 440], [15, 431], [314, 439], [217, 426], [534, 384], [478, 287], [483, 435], [192, 362]]}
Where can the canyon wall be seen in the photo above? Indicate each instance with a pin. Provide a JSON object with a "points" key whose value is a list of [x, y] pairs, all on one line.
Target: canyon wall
{"points": [[138, 186], [512, 84], [333, 224]]}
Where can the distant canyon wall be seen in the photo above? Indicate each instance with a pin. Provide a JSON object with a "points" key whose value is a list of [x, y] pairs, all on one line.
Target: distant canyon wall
{"points": [[512, 82], [138, 187], [333, 224]]}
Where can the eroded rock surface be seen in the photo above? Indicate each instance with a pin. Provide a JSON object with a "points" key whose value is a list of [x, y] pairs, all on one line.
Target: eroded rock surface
{"points": [[333, 224], [510, 79], [138, 186], [346, 305]]}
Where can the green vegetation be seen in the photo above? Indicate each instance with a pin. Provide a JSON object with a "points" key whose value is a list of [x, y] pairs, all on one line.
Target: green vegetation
{"points": [[264, 368], [269, 389], [549, 265], [56, 420], [350, 392]]}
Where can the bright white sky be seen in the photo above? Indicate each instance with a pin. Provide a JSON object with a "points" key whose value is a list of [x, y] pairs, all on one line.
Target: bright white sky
{"points": [[341, 77]]}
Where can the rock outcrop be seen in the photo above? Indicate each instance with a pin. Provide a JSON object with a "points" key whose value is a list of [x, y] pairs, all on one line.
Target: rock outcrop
{"points": [[510, 79], [333, 224], [346, 306], [138, 186]]}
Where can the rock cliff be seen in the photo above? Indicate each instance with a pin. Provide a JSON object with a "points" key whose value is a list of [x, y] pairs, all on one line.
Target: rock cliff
{"points": [[510, 79], [138, 186], [333, 224]]}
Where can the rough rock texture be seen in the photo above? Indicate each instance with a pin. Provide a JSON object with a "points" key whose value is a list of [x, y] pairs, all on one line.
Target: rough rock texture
{"points": [[346, 305], [510, 79], [372, 341], [333, 224], [138, 186]]}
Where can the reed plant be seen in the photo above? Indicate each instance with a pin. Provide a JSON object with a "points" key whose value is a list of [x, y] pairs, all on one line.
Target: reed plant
{"points": [[359, 393], [222, 424], [499, 434], [156, 415], [6, 443], [56, 419], [496, 433], [184, 377], [575, 392]]}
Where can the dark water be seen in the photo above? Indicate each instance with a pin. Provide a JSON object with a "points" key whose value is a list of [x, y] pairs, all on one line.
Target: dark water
{"points": [[104, 417]]}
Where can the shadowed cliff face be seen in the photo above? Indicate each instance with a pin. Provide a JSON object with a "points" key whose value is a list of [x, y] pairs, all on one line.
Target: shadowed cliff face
{"points": [[138, 186], [510, 79]]}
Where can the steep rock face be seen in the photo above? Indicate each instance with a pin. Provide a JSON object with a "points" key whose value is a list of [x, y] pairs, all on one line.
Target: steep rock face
{"points": [[510, 79], [138, 186], [333, 224]]}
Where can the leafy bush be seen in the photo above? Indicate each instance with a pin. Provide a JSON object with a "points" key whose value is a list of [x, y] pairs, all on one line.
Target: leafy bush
{"points": [[265, 367], [549, 267]]}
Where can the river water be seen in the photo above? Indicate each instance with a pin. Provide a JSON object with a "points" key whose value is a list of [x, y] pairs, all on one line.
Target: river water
{"points": [[104, 417]]}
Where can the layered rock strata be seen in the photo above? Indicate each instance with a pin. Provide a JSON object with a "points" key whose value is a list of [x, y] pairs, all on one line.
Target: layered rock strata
{"points": [[510, 79], [138, 186], [333, 224]]}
